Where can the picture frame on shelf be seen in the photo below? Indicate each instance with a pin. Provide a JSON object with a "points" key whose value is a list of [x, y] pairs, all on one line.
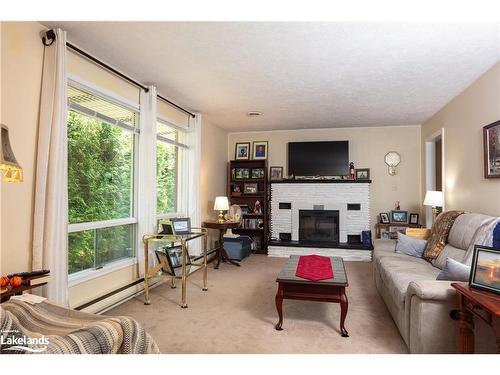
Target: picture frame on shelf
{"points": [[242, 151], [399, 217], [236, 190], [241, 173], [245, 209], [258, 172], [250, 188], [363, 174], [276, 173], [260, 150], [414, 218], [491, 150], [397, 229], [384, 218], [485, 269]]}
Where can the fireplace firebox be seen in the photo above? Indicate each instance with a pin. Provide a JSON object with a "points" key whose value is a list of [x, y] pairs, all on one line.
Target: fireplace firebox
{"points": [[319, 226]]}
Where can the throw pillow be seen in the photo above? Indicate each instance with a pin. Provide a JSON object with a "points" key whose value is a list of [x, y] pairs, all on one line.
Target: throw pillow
{"points": [[454, 271], [410, 246], [439, 234]]}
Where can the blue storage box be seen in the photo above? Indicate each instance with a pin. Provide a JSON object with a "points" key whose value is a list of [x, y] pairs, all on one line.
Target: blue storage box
{"points": [[238, 248]]}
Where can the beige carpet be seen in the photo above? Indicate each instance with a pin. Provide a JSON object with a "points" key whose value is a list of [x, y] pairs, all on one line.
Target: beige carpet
{"points": [[237, 315]]}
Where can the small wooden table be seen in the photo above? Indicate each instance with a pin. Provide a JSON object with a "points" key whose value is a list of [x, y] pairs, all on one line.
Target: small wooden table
{"points": [[222, 228], [482, 304], [329, 290]]}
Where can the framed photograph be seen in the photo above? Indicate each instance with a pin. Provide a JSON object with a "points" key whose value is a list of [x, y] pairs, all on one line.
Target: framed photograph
{"points": [[485, 269], [363, 174], [236, 190], [257, 172], [396, 229], [276, 173], [399, 217], [250, 188], [181, 225], [414, 218], [260, 150], [242, 151], [384, 218], [491, 146], [245, 209], [241, 173]]}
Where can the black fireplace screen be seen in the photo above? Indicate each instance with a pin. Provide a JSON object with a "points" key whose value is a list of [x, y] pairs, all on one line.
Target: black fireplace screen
{"points": [[319, 226]]}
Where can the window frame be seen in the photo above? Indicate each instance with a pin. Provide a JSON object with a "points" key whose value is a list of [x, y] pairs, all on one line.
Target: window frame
{"points": [[91, 273]]}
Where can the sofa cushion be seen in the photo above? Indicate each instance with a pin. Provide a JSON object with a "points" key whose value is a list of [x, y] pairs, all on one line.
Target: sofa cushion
{"points": [[449, 251], [439, 236], [454, 271], [397, 273], [410, 246], [464, 228]]}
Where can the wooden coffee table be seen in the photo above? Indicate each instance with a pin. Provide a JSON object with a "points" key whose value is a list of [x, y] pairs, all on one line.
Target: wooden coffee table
{"points": [[329, 290]]}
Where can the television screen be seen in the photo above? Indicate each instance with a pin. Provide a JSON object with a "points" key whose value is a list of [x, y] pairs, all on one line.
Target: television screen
{"points": [[329, 158]]}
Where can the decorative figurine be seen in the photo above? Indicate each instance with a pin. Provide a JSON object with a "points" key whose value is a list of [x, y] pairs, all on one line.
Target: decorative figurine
{"points": [[257, 208], [352, 175], [397, 206]]}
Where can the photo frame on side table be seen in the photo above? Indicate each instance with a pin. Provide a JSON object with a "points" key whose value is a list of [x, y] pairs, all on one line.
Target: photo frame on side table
{"points": [[491, 146], [414, 218], [399, 217], [242, 151], [485, 269], [384, 218]]}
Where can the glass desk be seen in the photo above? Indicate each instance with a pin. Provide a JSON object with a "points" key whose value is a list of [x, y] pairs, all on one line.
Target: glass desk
{"points": [[174, 262]]}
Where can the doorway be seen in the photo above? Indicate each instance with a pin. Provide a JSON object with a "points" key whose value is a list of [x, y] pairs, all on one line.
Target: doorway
{"points": [[434, 168]]}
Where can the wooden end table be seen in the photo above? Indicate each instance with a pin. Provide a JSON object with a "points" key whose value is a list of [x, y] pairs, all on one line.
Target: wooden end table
{"points": [[222, 228], [329, 290], [475, 303]]}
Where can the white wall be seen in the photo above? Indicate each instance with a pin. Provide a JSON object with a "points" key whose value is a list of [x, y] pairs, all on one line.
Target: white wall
{"points": [[463, 119], [367, 147]]}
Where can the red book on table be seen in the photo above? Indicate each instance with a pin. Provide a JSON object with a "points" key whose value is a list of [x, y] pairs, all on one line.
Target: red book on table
{"points": [[314, 268]]}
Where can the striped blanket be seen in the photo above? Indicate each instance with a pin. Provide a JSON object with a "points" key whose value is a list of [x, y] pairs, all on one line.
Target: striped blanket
{"points": [[46, 328]]}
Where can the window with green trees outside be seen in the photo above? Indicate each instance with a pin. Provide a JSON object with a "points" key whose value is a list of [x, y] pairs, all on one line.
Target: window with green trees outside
{"points": [[101, 144]]}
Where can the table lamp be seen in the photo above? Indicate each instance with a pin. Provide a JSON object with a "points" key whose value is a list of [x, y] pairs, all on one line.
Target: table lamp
{"points": [[435, 200], [221, 205], [10, 168]]}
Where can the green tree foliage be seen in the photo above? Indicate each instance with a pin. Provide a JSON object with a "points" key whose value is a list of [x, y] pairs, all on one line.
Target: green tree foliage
{"points": [[166, 173], [100, 167]]}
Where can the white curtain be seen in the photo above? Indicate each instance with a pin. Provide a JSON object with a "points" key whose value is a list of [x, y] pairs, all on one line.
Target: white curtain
{"points": [[50, 222], [194, 165], [147, 172]]}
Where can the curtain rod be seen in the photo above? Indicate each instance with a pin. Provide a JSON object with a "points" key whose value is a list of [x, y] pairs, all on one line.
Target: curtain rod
{"points": [[51, 37]]}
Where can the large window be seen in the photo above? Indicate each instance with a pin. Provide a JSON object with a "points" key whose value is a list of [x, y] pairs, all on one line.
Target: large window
{"points": [[170, 162], [101, 147]]}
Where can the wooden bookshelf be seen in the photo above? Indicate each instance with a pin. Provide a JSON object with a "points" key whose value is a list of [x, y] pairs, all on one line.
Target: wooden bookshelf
{"points": [[259, 233]]}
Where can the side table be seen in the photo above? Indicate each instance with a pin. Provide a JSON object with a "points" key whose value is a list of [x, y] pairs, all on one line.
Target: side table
{"points": [[222, 228], [475, 303]]}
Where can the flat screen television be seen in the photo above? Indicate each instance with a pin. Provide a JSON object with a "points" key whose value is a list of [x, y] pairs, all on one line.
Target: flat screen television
{"points": [[329, 158]]}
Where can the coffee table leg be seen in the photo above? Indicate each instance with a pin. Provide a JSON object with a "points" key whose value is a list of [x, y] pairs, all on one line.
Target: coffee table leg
{"points": [[344, 305], [279, 307]]}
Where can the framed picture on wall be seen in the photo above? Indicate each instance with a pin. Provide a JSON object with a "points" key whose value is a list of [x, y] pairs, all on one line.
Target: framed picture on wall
{"points": [[260, 150], [242, 151], [491, 146]]}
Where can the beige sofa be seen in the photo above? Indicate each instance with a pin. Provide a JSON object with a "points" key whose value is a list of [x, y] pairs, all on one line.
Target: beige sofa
{"points": [[420, 304]]}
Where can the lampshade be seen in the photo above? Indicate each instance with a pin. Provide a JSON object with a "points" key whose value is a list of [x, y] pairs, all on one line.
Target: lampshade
{"points": [[433, 198], [10, 168], [221, 204]]}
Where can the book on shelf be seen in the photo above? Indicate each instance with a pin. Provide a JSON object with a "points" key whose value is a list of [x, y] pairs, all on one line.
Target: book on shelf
{"points": [[36, 280]]}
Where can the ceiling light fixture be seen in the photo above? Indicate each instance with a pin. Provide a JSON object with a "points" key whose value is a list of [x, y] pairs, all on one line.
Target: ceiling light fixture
{"points": [[254, 113]]}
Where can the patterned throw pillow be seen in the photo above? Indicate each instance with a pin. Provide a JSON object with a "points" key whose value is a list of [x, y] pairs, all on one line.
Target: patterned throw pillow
{"points": [[439, 234]]}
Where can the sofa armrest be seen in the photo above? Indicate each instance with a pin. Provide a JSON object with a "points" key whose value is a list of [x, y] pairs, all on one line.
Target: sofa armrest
{"points": [[435, 290]]}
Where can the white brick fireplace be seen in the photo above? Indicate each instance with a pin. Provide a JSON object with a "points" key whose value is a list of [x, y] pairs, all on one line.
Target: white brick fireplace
{"points": [[350, 199]]}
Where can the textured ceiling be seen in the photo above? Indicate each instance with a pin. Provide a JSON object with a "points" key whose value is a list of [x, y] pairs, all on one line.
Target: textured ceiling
{"points": [[300, 75]]}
